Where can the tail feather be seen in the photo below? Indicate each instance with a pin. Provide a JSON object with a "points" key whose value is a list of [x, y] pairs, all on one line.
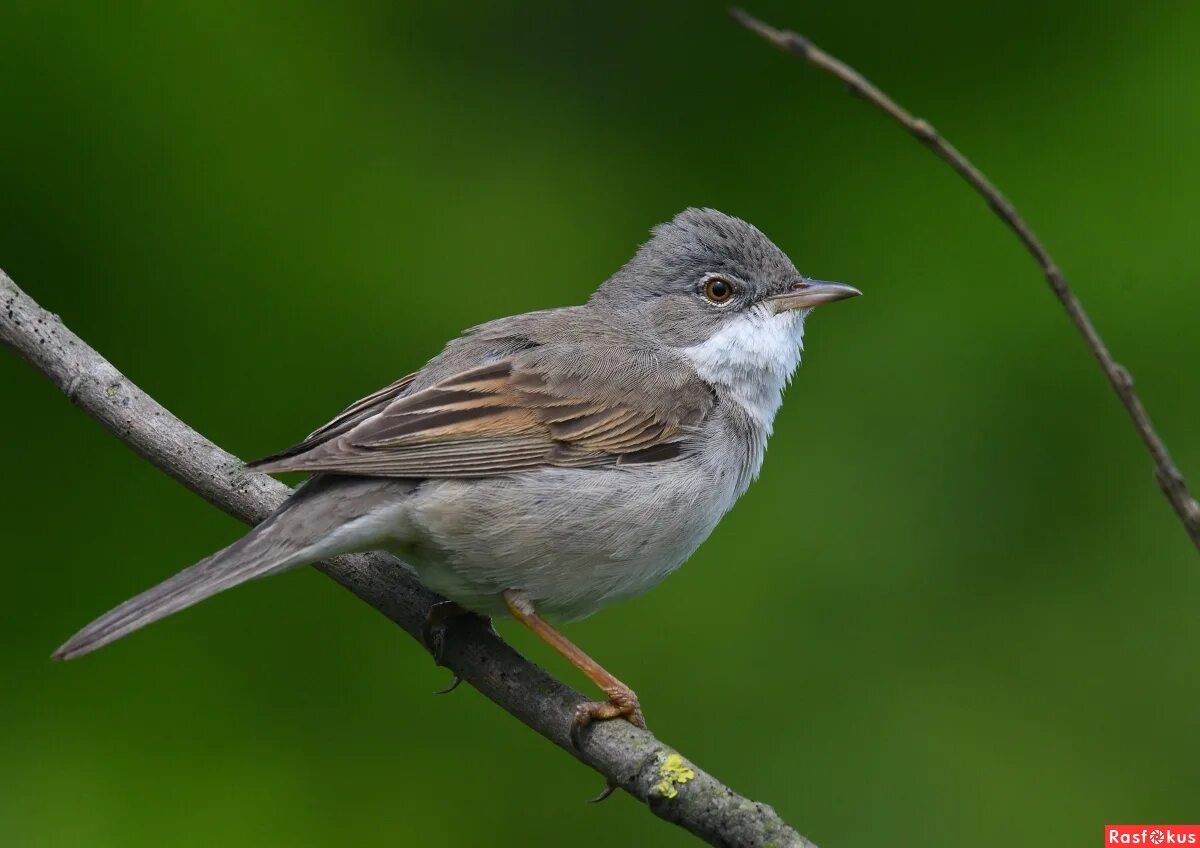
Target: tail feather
{"points": [[244, 560], [326, 516]]}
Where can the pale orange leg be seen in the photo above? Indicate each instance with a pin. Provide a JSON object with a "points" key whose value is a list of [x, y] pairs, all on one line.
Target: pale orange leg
{"points": [[622, 701]]}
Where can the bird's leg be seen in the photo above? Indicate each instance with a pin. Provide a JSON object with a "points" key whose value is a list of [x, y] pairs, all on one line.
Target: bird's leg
{"points": [[622, 701]]}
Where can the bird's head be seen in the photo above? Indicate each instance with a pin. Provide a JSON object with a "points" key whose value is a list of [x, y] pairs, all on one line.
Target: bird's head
{"points": [[717, 290]]}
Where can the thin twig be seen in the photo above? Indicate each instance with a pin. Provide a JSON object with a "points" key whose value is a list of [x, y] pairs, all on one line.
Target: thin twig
{"points": [[632, 759], [1170, 480]]}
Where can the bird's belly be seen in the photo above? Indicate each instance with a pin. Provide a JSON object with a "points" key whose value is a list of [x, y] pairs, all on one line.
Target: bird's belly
{"points": [[571, 540]]}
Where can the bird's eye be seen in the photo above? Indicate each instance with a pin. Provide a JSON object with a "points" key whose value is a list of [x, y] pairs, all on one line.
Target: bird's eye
{"points": [[718, 290]]}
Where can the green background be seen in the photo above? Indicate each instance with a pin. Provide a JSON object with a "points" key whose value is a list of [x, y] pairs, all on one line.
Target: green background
{"points": [[955, 608]]}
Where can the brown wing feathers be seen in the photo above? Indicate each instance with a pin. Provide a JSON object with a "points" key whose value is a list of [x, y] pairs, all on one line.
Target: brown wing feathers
{"points": [[485, 421], [346, 420]]}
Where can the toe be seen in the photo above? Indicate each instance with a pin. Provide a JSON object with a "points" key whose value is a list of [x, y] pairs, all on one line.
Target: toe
{"points": [[622, 704]]}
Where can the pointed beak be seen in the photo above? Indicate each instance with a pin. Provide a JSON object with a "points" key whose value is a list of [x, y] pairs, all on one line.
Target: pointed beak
{"points": [[806, 293]]}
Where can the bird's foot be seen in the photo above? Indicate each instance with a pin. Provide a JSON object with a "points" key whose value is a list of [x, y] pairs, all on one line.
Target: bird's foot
{"points": [[621, 703], [433, 634], [433, 631]]}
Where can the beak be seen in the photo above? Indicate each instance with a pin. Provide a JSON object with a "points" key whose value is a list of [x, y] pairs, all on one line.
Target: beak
{"points": [[806, 293]]}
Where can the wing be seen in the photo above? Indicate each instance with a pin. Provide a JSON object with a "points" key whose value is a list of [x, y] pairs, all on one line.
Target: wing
{"points": [[495, 419], [347, 419]]}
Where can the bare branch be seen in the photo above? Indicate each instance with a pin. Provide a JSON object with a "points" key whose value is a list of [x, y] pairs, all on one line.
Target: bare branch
{"points": [[633, 759], [1170, 480]]}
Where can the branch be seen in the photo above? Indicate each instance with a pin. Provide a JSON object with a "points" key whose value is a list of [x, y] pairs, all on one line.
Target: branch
{"points": [[1170, 480], [633, 759]]}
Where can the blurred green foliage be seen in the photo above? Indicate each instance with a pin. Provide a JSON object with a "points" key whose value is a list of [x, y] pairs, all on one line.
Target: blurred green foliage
{"points": [[954, 610]]}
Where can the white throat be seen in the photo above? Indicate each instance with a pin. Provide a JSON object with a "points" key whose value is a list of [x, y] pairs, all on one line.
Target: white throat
{"points": [[753, 357]]}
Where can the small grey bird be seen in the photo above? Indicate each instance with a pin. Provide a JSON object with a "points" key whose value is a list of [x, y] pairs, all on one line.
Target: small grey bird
{"points": [[547, 464]]}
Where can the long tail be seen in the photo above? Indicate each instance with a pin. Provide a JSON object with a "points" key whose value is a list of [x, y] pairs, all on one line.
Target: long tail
{"points": [[324, 518], [243, 560]]}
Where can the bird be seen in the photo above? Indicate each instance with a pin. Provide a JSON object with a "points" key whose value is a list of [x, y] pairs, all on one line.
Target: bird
{"points": [[547, 464]]}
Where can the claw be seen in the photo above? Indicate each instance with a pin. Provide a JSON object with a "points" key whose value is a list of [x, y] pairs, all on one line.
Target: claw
{"points": [[609, 789], [433, 631], [433, 634]]}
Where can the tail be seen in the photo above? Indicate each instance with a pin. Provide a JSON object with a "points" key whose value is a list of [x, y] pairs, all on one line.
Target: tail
{"points": [[324, 518], [245, 559]]}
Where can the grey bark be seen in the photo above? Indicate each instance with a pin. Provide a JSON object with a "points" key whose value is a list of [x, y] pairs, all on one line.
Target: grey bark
{"points": [[635, 760]]}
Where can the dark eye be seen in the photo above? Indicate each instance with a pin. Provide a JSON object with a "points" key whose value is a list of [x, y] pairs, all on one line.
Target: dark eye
{"points": [[718, 290]]}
